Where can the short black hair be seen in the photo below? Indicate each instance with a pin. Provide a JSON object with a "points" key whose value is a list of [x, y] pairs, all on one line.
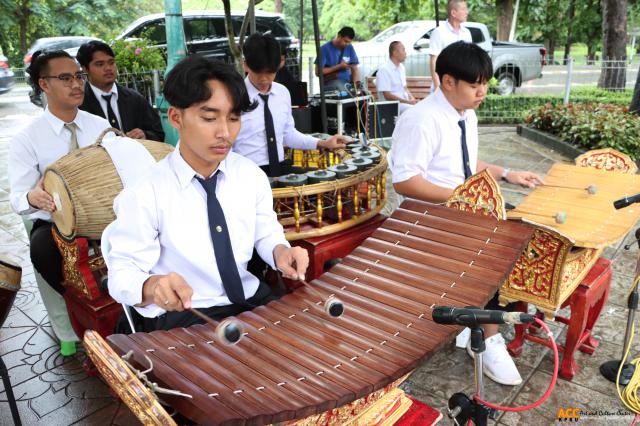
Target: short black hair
{"points": [[261, 53], [40, 66], [186, 83], [392, 47], [86, 51], [347, 32], [464, 61]]}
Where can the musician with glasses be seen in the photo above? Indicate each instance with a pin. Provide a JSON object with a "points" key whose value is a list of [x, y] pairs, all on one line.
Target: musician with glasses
{"points": [[185, 233], [60, 129], [435, 149]]}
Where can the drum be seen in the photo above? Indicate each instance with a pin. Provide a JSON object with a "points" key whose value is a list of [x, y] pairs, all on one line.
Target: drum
{"points": [[297, 362], [84, 184], [10, 276]]}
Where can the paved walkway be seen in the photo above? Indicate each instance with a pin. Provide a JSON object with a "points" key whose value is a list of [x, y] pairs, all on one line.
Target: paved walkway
{"points": [[53, 390]]}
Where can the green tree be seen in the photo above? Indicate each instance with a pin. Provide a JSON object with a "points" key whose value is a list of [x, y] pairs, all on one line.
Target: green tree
{"points": [[24, 21]]}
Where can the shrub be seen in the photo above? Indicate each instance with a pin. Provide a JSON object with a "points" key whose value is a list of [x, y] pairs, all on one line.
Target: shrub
{"points": [[590, 125], [134, 56]]}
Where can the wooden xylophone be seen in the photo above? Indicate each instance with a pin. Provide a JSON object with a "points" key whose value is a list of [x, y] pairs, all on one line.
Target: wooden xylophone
{"points": [[295, 361]]}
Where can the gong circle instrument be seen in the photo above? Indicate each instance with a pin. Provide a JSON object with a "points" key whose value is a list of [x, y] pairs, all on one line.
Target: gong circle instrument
{"points": [[338, 190], [298, 358], [84, 184]]}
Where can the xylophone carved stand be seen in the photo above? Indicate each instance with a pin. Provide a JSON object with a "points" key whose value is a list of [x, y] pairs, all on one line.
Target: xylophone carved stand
{"points": [[610, 368]]}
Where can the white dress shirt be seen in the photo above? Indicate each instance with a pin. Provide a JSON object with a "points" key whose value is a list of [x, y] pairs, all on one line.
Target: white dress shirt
{"points": [[427, 142], [162, 226], [39, 144], [393, 78], [252, 139], [444, 35], [103, 102]]}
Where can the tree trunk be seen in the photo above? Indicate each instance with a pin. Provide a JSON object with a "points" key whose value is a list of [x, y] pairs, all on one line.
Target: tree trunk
{"points": [[504, 16], [235, 50], [22, 15], [635, 101], [278, 6], [613, 75], [550, 45], [570, 15]]}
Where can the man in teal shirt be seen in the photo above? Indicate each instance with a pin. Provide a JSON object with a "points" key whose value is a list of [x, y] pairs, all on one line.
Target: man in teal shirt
{"points": [[338, 63]]}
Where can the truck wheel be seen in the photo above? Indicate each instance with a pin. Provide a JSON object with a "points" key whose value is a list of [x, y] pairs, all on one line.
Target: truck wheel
{"points": [[506, 83]]}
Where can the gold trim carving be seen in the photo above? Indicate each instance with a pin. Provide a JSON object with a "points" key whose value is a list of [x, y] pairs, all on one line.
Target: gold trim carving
{"points": [[480, 193], [387, 405], [120, 378], [70, 263], [607, 159]]}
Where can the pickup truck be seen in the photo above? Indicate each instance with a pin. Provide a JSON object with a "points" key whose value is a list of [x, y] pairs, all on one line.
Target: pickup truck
{"points": [[513, 63]]}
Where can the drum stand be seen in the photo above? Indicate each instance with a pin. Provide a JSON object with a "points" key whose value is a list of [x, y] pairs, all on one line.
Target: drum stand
{"points": [[9, 390], [610, 368], [461, 407]]}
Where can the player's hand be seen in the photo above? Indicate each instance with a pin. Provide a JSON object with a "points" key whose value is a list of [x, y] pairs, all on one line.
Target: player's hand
{"points": [[334, 142], [171, 292], [525, 179], [291, 261], [41, 199], [135, 134]]}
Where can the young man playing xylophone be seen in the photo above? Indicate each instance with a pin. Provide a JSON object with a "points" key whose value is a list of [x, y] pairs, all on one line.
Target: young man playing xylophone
{"points": [[185, 232], [435, 148]]}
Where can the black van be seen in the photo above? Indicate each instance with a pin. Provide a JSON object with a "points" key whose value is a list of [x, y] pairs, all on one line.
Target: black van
{"points": [[205, 33]]}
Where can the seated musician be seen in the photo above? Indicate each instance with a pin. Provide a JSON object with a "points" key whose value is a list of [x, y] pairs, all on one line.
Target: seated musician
{"points": [[435, 148], [60, 129], [185, 232], [268, 128]]}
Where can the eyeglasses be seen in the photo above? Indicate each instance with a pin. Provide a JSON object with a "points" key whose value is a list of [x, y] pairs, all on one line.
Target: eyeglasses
{"points": [[67, 79]]}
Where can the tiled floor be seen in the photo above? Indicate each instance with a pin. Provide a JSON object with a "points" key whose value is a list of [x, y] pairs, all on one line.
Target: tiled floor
{"points": [[52, 390]]}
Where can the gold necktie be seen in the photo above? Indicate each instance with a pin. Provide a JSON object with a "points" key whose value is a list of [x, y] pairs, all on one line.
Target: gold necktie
{"points": [[73, 141]]}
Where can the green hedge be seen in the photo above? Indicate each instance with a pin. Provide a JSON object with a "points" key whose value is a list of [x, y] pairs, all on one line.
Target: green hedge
{"points": [[514, 109], [590, 125]]}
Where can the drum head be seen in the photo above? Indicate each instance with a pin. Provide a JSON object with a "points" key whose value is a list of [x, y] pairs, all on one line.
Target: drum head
{"points": [[122, 380], [65, 216]]}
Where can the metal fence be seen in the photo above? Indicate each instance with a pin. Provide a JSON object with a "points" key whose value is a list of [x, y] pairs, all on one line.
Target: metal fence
{"points": [[570, 80]]}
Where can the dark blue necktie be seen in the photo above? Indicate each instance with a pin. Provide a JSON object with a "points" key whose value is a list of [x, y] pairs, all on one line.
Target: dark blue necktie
{"points": [[111, 116], [465, 151], [222, 244], [272, 147]]}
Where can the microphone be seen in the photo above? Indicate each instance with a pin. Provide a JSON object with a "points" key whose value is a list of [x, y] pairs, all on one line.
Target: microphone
{"points": [[472, 316], [626, 201]]}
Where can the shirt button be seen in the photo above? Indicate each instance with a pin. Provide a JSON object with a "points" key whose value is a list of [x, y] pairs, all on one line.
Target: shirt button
{"points": [[219, 228]]}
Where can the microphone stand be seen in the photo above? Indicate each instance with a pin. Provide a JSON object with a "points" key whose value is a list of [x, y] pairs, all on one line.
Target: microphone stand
{"points": [[461, 407], [610, 369]]}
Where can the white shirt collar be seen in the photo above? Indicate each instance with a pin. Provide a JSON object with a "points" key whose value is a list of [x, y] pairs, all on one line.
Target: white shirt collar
{"points": [[99, 93], [56, 124], [450, 27], [184, 172], [253, 92], [447, 108]]}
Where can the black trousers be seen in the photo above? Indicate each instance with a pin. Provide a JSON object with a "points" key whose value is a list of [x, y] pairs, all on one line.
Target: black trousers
{"points": [[45, 256], [173, 319]]}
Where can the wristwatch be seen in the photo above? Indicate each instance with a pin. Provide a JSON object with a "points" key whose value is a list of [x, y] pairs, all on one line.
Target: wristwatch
{"points": [[504, 174]]}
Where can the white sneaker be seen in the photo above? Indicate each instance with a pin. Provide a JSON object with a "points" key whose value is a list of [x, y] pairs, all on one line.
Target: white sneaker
{"points": [[498, 364]]}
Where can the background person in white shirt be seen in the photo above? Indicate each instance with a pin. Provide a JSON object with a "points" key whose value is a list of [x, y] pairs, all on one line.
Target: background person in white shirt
{"points": [[448, 32], [391, 79], [428, 158], [162, 258], [261, 63], [45, 140]]}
